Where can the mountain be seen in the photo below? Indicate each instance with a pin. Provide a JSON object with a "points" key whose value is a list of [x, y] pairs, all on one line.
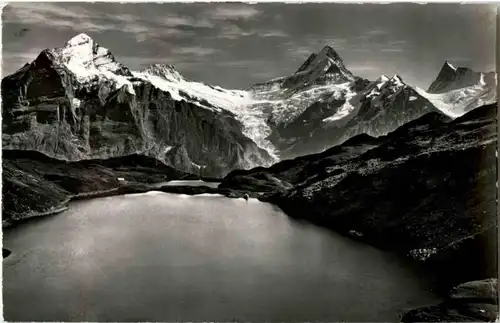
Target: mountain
{"points": [[77, 102], [323, 104], [456, 91]]}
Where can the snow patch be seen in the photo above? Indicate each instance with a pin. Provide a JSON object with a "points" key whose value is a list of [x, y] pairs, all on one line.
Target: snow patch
{"points": [[456, 103], [76, 103], [451, 66], [217, 99]]}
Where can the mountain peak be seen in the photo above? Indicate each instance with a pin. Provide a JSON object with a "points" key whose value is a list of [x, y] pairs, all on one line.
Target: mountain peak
{"points": [[166, 71], [397, 79], [324, 66], [328, 51], [79, 39], [382, 78], [86, 60], [323, 57], [451, 77], [448, 65]]}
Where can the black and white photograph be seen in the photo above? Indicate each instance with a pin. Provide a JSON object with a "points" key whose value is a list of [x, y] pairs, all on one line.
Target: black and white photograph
{"points": [[249, 162]]}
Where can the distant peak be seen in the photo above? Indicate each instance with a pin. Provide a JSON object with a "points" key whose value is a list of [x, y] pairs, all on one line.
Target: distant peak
{"points": [[451, 77]]}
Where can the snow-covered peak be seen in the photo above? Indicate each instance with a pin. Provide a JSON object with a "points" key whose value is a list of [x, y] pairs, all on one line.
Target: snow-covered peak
{"points": [[83, 56], [79, 40], [396, 80], [165, 71], [88, 62], [382, 78]]}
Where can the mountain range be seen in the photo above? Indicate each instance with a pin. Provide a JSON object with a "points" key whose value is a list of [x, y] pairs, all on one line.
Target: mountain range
{"points": [[78, 102]]}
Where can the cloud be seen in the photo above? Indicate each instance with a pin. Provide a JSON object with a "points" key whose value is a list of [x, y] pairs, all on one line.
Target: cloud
{"points": [[376, 32], [233, 12], [392, 50], [398, 42], [80, 19], [233, 32], [195, 51], [360, 50], [362, 68], [182, 21], [300, 52], [11, 61], [272, 33], [52, 15], [242, 63]]}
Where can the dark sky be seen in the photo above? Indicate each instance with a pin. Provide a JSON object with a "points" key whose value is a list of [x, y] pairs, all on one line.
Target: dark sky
{"points": [[235, 45]]}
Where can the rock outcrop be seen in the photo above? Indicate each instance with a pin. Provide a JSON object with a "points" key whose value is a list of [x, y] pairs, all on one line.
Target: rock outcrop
{"points": [[474, 301]]}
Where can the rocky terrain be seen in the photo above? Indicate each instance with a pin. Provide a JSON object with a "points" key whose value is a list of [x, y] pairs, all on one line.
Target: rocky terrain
{"points": [[474, 301], [79, 102], [426, 190], [34, 184]]}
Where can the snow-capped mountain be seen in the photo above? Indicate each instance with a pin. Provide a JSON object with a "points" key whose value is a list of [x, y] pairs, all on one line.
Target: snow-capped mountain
{"points": [[77, 102], [323, 104], [456, 91]]}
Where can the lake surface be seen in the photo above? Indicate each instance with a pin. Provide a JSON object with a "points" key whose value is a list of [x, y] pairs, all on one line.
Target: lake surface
{"points": [[167, 257]]}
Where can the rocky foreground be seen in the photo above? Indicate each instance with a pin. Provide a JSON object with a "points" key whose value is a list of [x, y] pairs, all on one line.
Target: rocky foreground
{"points": [[469, 302]]}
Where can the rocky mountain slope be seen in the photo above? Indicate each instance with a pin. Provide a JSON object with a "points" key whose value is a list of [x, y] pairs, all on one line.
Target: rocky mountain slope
{"points": [[456, 91], [426, 190], [77, 102]]}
